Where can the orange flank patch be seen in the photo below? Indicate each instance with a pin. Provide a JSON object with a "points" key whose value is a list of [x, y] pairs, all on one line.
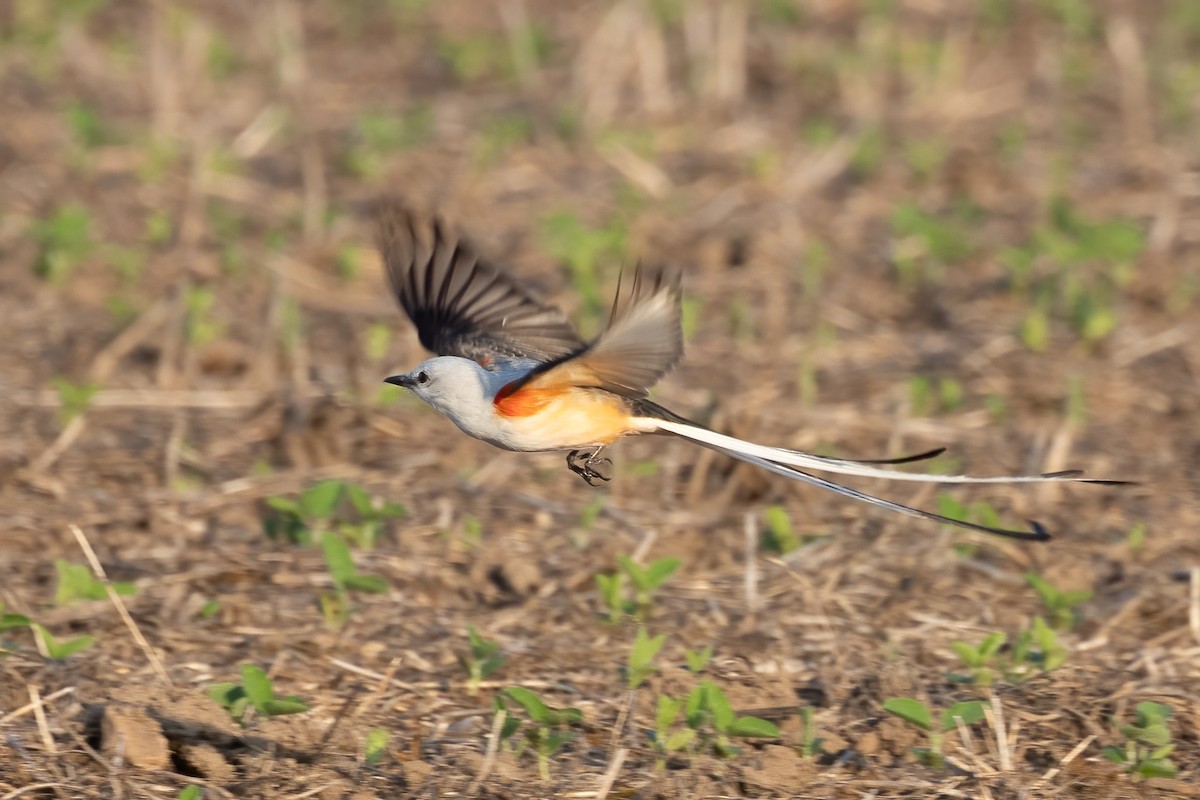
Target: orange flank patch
{"points": [[523, 401]]}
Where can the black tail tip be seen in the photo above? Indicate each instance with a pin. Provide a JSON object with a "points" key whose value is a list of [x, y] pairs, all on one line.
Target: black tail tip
{"points": [[1038, 532]]}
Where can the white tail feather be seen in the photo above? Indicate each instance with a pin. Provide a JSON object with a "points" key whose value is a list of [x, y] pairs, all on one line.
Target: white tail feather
{"points": [[794, 458]]}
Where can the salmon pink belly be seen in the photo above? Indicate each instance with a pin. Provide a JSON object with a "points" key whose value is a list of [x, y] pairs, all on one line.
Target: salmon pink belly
{"points": [[563, 421]]}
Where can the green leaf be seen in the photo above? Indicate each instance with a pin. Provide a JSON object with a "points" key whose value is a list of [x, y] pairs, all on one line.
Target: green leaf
{"points": [[75, 582], [1163, 752], [753, 726], [991, 645], [192, 792], [697, 660], [641, 656], [337, 556], [660, 570], [1155, 735], [283, 705], [226, 694], [910, 710], [320, 501], [257, 685], [968, 654], [538, 711], [61, 650], [666, 713], [635, 572], [1150, 713], [680, 740], [695, 708], [1114, 754], [375, 746], [9, 621], [284, 504], [716, 702], [360, 499], [367, 583], [970, 711], [1156, 768], [645, 648]]}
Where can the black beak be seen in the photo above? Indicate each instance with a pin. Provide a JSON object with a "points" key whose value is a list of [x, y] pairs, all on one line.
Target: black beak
{"points": [[401, 380]]}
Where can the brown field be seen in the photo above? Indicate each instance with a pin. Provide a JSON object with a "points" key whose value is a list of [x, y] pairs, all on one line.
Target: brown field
{"points": [[902, 224]]}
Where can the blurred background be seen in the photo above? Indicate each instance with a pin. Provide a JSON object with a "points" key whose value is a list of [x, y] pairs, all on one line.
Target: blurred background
{"points": [[901, 223]]}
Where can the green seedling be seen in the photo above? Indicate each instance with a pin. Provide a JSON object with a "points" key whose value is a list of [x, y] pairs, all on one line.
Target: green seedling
{"points": [[548, 728], [612, 595], [335, 605], [483, 659], [73, 398], [473, 57], [641, 657], [201, 325], [1136, 538], [1036, 646], [982, 513], [918, 714], [501, 135], [925, 157], [581, 249], [10, 621], [869, 150], [979, 659], [319, 509], [64, 241], [590, 513], [1075, 270], [291, 325], [57, 650], [927, 244], [697, 660], [472, 531], [256, 692], [310, 513], [646, 580], [210, 609], [375, 746], [87, 129], [372, 517], [377, 342], [668, 739], [926, 398], [158, 229], [710, 715], [192, 792], [1148, 745], [779, 536], [1062, 606], [378, 135], [810, 743], [75, 582]]}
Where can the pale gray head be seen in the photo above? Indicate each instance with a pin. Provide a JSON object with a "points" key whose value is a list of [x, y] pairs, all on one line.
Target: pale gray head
{"points": [[448, 383]]}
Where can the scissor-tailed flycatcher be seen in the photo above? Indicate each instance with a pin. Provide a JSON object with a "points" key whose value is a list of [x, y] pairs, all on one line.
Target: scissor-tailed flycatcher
{"points": [[512, 371]]}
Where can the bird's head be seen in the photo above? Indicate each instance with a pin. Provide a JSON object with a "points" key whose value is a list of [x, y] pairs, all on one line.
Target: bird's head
{"points": [[448, 383]]}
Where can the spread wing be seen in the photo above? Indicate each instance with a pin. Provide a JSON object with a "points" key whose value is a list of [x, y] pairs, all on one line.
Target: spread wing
{"points": [[643, 341], [463, 305]]}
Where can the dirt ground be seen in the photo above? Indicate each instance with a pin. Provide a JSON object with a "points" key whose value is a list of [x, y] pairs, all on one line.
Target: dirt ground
{"points": [[902, 225]]}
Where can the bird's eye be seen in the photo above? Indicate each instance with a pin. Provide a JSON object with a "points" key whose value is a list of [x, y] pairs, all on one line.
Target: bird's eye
{"points": [[422, 377]]}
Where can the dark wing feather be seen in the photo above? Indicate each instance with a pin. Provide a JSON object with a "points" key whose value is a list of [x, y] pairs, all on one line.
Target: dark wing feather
{"points": [[643, 341], [463, 305]]}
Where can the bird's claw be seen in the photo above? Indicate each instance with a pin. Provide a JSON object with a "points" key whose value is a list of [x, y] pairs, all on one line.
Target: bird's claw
{"points": [[586, 465]]}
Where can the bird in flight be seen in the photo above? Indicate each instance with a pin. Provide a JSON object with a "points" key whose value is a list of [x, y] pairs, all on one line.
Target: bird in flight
{"points": [[512, 371]]}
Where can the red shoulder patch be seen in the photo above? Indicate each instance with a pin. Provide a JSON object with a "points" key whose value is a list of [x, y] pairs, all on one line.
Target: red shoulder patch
{"points": [[514, 401]]}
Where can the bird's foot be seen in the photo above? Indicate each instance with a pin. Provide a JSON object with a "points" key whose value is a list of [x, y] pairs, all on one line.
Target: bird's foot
{"points": [[588, 465]]}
